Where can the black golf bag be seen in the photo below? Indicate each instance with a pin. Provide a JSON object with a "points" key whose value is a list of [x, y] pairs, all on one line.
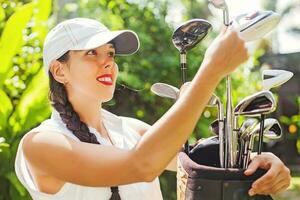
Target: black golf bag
{"points": [[199, 177]]}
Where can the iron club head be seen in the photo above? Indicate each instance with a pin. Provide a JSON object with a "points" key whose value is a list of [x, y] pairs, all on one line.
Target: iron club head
{"points": [[165, 90], [262, 102]]}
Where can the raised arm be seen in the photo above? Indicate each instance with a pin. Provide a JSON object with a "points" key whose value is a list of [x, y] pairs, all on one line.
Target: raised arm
{"points": [[60, 157]]}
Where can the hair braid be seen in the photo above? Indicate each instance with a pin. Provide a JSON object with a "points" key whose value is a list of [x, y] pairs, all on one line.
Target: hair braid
{"points": [[59, 100]]}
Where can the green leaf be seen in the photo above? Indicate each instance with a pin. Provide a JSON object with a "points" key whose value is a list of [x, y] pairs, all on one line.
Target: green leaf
{"points": [[42, 10], [2, 14], [11, 39], [5, 108], [33, 106], [15, 182]]}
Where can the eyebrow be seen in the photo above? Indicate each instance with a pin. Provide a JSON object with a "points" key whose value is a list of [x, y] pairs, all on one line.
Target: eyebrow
{"points": [[111, 46]]}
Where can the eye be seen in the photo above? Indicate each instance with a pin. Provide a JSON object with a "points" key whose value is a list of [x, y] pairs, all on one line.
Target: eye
{"points": [[111, 54], [91, 52]]}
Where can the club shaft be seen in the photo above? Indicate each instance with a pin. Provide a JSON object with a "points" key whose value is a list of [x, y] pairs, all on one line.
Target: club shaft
{"points": [[183, 68], [221, 134], [261, 134], [225, 15], [231, 135]]}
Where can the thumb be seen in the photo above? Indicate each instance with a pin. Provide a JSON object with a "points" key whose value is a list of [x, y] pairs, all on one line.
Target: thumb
{"points": [[253, 166]]}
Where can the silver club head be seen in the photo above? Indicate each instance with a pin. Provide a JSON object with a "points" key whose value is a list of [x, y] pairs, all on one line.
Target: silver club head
{"points": [[190, 33], [272, 130], [165, 90], [213, 101], [274, 78], [255, 25], [220, 4], [262, 102], [247, 127]]}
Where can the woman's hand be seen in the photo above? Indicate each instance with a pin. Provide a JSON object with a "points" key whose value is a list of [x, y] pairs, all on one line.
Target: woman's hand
{"points": [[277, 178], [226, 52]]}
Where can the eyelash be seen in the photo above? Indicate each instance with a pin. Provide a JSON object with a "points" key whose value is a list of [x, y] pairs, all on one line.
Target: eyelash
{"points": [[110, 53]]}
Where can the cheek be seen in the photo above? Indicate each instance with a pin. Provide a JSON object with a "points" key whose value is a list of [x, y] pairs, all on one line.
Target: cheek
{"points": [[115, 72]]}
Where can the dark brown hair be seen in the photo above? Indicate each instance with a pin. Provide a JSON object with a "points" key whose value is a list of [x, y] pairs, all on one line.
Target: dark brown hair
{"points": [[59, 100]]}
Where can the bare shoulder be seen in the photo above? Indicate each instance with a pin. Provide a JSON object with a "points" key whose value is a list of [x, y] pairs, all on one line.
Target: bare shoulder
{"points": [[136, 124]]}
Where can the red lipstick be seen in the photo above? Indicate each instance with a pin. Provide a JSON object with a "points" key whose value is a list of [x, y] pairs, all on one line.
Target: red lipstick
{"points": [[105, 79]]}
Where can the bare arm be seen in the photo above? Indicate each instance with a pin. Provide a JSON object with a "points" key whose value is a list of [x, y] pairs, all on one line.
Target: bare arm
{"points": [[97, 165], [141, 127]]}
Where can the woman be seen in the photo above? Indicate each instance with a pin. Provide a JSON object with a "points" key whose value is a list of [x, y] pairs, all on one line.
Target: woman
{"points": [[62, 158]]}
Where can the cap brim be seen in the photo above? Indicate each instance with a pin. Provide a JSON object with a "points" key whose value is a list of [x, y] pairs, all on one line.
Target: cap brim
{"points": [[126, 42]]}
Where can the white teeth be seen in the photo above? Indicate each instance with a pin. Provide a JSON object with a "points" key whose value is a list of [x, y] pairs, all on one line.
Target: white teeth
{"points": [[106, 79]]}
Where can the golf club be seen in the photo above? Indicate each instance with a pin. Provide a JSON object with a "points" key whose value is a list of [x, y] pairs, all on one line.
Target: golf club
{"points": [[260, 103], [230, 136], [255, 25], [274, 78], [184, 38], [271, 131], [165, 90], [215, 101], [246, 128]]}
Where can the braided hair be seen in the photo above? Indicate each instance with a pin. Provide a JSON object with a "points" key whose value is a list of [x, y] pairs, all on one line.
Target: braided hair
{"points": [[59, 100]]}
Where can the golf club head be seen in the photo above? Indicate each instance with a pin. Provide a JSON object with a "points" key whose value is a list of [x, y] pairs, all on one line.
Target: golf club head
{"points": [[213, 101], [206, 152], [190, 33], [262, 102], [214, 127], [272, 130], [247, 127], [253, 26], [274, 78], [220, 4], [165, 90]]}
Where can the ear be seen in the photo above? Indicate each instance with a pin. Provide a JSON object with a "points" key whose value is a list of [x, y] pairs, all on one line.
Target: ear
{"points": [[58, 71]]}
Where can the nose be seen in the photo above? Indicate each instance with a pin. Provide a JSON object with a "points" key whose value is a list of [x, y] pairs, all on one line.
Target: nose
{"points": [[108, 62]]}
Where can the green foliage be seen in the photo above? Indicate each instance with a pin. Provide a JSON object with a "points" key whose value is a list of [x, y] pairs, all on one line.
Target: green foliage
{"points": [[23, 86]]}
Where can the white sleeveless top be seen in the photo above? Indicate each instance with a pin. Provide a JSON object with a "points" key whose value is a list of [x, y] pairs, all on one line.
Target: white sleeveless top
{"points": [[122, 136]]}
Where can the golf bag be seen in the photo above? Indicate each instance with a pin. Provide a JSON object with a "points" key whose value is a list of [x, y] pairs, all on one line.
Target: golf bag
{"points": [[206, 181]]}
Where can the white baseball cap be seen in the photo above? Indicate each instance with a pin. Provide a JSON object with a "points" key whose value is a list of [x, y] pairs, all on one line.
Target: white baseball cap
{"points": [[84, 34]]}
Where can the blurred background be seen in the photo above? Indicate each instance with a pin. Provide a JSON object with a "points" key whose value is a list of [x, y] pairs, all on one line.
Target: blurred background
{"points": [[24, 87]]}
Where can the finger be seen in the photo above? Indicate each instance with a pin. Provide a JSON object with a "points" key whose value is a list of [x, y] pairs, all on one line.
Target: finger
{"points": [[280, 185], [280, 188], [253, 166], [268, 186], [270, 176]]}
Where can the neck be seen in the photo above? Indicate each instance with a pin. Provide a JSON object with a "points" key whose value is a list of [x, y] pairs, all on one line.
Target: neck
{"points": [[89, 111]]}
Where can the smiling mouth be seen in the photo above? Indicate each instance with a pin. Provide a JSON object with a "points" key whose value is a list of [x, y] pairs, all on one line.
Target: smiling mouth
{"points": [[105, 79]]}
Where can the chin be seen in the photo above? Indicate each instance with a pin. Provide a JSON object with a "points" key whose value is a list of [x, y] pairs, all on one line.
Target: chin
{"points": [[107, 98]]}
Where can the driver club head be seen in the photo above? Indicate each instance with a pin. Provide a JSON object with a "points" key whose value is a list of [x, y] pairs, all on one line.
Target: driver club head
{"points": [[274, 78], [190, 33], [262, 102], [165, 90]]}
